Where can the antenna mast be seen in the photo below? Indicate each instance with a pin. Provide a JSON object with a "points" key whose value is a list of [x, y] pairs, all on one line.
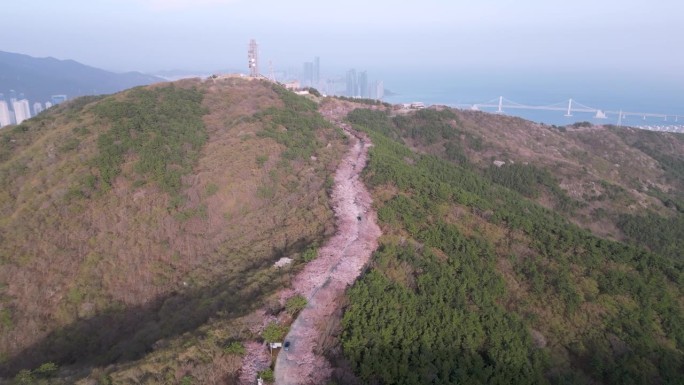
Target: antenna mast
{"points": [[253, 58]]}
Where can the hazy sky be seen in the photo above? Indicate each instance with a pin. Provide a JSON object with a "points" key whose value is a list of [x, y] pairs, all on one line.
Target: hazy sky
{"points": [[629, 37]]}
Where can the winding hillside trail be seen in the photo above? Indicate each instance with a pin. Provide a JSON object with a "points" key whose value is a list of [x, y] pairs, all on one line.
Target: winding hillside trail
{"points": [[338, 265]]}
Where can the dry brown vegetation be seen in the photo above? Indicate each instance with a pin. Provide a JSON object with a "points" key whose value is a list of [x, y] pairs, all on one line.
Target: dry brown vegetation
{"points": [[104, 277]]}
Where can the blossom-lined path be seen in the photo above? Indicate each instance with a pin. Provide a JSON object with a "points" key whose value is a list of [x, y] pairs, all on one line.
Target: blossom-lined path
{"points": [[338, 264]]}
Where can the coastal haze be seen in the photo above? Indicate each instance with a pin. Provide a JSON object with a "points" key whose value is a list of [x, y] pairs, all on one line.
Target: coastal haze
{"points": [[612, 55]]}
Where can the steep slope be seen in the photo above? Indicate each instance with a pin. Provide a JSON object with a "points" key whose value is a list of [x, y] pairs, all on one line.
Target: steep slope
{"points": [[40, 78], [483, 278], [129, 220]]}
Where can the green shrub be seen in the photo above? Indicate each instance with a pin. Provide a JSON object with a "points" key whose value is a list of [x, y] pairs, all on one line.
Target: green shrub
{"points": [[310, 254], [267, 375], [295, 304], [47, 370], [274, 332], [24, 377], [235, 348]]}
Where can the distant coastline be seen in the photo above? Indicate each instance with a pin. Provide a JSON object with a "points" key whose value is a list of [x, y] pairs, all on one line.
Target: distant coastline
{"points": [[464, 91]]}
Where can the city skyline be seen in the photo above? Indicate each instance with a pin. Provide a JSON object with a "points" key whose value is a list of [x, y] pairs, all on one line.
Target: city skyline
{"points": [[16, 110]]}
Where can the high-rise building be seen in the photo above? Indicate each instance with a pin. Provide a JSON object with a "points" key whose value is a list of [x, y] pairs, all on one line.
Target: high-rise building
{"points": [[379, 88], [57, 99], [37, 108], [352, 83], [316, 71], [362, 80], [22, 110], [48, 105], [5, 117], [308, 76], [253, 58]]}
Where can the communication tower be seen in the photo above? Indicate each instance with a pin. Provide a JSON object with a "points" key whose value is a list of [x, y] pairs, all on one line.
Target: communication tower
{"points": [[253, 57]]}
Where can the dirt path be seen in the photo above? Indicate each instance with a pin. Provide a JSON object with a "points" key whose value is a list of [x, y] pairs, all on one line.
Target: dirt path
{"points": [[338, 265]]}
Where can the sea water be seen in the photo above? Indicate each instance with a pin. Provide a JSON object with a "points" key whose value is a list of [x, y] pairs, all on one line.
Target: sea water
{"points": [[609, 94]]}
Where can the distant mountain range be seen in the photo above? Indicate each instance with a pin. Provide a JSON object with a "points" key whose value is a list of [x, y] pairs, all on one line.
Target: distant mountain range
{"points": [[40, 78]]}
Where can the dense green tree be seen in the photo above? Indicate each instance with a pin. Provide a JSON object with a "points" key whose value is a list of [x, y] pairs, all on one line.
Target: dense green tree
{"points": [[435, 308], [274, 332]]}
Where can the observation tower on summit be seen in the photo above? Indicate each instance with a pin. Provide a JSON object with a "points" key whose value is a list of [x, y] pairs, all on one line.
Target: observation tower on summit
{"points": [[253, 58]]}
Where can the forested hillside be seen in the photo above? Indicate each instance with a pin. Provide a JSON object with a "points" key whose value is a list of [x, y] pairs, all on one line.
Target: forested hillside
{"points": [[483, 275], [597, 176], [137, 229]]}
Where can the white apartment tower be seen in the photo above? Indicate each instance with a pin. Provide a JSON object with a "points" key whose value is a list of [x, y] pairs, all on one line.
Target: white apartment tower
{"points": [[5, 117], [22, 111], [379, 90], [37, 108]]}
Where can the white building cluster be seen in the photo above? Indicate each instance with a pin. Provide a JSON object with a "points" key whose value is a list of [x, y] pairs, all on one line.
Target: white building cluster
{"points": [[14, 112], [18, 110]]}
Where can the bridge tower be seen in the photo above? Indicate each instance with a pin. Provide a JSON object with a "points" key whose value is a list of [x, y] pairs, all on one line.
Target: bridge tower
{"points": [[253, 58], [569, 113], [619, 122], [500, 109]]}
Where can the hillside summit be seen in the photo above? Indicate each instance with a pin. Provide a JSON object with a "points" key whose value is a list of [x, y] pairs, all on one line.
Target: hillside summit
{"points": [[132, 219]]}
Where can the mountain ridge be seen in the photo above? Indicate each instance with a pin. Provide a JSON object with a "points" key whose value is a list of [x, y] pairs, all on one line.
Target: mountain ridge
{"points": [[40, 78]]}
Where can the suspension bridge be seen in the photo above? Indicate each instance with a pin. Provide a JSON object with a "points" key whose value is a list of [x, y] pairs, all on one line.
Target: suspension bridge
{"points": [[502, 104]]}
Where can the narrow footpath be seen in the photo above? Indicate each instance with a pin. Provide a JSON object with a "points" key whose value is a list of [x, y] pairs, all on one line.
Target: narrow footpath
{"points": [[338, 265]]}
